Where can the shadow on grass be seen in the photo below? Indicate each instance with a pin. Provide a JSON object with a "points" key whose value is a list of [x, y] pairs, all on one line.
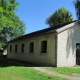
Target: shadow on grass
{"points": [[4, 62]]}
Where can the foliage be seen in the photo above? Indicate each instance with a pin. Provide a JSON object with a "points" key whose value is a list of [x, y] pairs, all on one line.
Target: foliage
{"points": [[10, 24], [77, 7], [60, 16]]}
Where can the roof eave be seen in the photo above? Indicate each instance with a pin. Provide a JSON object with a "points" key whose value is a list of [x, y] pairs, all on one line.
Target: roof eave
{"points": [[59, 30], [53, 31]]}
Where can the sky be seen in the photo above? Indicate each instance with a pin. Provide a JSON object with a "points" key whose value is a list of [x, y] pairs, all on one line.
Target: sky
{"points": [[35, 12]]}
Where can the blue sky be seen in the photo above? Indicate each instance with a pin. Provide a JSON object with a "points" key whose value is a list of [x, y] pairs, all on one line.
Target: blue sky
{"points": [[35, 12]]}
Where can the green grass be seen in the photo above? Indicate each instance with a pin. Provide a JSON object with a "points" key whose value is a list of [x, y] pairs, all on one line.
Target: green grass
{"points": [[24, 73], [10, 71], [66, 70]]}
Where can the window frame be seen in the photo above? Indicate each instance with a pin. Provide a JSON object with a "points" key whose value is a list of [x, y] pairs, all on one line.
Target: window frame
{"points": [[44, 46], [16, 47], [31, 47], [10, 48], [22, 47]]}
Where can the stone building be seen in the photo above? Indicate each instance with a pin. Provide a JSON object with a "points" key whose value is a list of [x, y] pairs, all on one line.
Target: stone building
{"points": [[56, 46]]}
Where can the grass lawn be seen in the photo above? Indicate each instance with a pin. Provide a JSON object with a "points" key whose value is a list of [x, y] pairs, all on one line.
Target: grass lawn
{"points": [[9, 71], [24, 73], [67, 71]]}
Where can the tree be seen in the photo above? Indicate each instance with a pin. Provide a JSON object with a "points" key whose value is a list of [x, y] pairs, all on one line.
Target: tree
{"points": [[60, 16], [77, 7], [10, 24]]}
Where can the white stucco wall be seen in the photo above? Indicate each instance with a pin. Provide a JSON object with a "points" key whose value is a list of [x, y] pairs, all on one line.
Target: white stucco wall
{"points": [[66, 46], [36, 57]]}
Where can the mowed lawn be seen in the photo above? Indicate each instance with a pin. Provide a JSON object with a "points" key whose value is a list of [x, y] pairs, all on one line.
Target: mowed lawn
{"points": [[9, 72]]}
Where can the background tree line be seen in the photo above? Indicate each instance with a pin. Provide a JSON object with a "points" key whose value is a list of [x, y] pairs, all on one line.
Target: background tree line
{"points": [[62, 15], [10, 24]]}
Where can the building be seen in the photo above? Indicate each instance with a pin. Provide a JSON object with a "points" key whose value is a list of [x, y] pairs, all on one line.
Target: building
{"points": [[56, 46]]}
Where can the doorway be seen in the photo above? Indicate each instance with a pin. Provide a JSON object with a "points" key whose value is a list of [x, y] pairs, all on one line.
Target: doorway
{"points": [[78, 53]]}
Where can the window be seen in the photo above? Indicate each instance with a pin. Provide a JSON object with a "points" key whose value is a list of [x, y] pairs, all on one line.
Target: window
{"points": [[22, 47], [31, 47], [44, 47], [10, 48], [16, 48]]}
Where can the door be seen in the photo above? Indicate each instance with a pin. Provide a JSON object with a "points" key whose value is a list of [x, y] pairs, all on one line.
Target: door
{"points": [[78, 53]]}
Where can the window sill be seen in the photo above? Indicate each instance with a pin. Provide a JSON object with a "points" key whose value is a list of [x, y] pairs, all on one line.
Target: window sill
{"points": [[43, 53], [16, 52], [22, 52], [31, 53]]}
